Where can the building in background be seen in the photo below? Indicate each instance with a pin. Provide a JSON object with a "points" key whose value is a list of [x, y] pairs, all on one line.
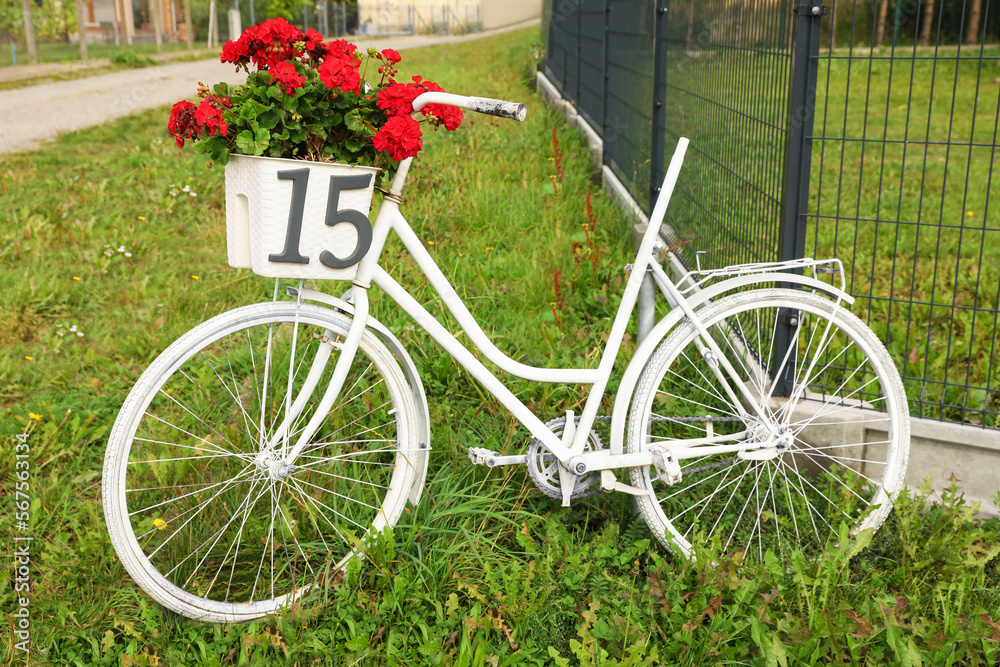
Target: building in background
{"points": [[386, 17]]}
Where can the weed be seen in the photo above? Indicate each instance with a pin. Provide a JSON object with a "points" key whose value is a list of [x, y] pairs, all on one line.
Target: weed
{"points": [[131, 59]]}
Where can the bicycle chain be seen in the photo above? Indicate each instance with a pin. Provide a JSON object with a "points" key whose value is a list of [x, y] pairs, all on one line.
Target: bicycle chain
{"points": [[679, 420]]}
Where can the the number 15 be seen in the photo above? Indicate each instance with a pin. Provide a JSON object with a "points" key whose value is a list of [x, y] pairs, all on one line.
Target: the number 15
{"points": [[300, 178]]}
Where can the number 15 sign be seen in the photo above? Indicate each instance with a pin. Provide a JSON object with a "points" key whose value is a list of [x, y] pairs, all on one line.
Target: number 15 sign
{"points": [[297, 219]]}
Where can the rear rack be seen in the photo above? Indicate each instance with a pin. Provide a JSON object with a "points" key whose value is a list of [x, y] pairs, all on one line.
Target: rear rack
{"points": [[699, 277]]}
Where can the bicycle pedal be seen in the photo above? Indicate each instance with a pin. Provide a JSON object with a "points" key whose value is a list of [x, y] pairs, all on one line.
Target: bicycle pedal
{"points": [[491, 459]]}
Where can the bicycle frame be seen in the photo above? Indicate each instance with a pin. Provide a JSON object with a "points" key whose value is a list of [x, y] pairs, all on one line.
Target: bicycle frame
{"points": [[570, 449]]}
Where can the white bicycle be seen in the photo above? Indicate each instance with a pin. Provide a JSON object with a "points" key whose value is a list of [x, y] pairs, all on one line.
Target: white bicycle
{"points": [[263, 449]]}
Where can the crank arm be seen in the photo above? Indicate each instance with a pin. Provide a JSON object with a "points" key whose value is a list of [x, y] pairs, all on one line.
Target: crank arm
{"points": [[491, 459]]}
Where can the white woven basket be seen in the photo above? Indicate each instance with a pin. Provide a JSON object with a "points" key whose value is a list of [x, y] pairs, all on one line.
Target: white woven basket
{"points": [[259, 213]]}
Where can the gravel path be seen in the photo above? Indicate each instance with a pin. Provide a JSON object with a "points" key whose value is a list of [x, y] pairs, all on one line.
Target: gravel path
{"points": [[34, 114]]}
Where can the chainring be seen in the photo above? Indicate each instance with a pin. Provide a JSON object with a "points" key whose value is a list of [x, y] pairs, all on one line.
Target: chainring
{"points": [[543, 466]]}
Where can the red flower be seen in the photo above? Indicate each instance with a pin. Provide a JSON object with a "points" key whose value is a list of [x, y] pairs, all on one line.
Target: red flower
{"points": [[392, 55], [398, 98], [450, 117], [314, 45], [312, 38], [236, 52], [209, 115], [287, 76], [182, 124], [400, 136], [340, 67], [265, 44]]}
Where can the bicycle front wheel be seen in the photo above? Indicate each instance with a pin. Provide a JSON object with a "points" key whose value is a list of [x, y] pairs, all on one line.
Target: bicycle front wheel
{"points": [[830, 448], [200, 508]]}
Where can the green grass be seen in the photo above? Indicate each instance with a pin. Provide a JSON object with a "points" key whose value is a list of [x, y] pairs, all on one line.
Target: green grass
{"points": [[485, 570], [64, 52]]}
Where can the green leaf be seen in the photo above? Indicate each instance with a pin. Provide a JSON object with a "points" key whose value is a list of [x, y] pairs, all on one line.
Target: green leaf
{"points": [[252, 108], [269, 119], [353, 144], [253, 144], [354, 121], [779, 650]]}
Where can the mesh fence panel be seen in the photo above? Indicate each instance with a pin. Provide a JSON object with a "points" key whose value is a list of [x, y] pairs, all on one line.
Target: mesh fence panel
{"points": [[900, 156], [727, 90], [628, 104], [902, 184]]}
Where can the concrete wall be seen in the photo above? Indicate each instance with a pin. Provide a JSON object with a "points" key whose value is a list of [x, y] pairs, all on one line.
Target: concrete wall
{"points": [[500, 13]]}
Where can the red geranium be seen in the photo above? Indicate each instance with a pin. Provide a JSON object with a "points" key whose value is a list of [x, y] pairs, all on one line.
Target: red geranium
{"points": [[341, 67], [265, 44], [332, 115], [400, 136], [287, 77], [182, 124], [209, 115], [398, 98]]}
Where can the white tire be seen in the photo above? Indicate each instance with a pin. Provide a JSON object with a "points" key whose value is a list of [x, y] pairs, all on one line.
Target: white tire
{"points": [[846, 443], [213, 531]]}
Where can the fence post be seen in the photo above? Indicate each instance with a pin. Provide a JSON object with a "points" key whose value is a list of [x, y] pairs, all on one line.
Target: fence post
{"points": [[579, 52], [81, 31], [29, 31], [797, 161], [604, 83], [657, 172]]}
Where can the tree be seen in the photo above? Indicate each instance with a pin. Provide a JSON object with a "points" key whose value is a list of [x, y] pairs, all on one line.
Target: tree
{"points": [[883, 7], [975, 12], [29, 31], [925, 31]]}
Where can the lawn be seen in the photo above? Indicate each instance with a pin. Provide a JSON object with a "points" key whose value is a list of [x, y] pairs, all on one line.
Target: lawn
{"points": [[113, 246]]}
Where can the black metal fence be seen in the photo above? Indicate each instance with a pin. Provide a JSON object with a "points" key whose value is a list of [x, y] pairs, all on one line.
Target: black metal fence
{"points": [[864, 129]]}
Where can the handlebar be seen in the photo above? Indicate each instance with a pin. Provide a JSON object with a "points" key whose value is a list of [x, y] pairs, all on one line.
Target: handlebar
{"points": [[513, 110]]}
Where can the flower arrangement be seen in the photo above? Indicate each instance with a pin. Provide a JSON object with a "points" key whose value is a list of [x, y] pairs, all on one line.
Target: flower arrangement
{"points": [[308, 99]]}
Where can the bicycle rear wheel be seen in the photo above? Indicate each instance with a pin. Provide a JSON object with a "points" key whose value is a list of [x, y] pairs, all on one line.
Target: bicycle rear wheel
{"points": [[206, 525], [843, 454]]}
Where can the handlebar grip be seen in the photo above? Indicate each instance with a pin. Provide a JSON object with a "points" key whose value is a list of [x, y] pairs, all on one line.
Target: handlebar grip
{"points": [[513, 110]]}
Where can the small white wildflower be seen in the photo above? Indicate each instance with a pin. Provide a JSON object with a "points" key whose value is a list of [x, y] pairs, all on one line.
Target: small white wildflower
{"points": [[73, 328], [65, 215], [128, 254], [121, 248], [80, 334], [108, 253], [194, 194], [186, 188], [60, 333]]}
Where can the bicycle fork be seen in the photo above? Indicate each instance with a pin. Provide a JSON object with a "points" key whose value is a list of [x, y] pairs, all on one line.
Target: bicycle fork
{"points": [[274, 455]]}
